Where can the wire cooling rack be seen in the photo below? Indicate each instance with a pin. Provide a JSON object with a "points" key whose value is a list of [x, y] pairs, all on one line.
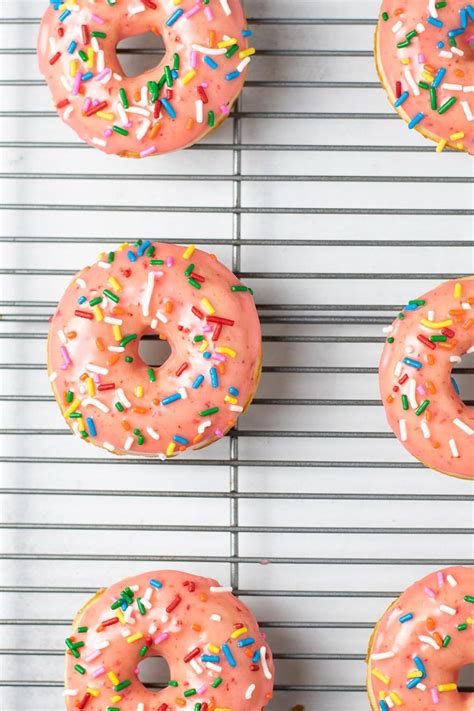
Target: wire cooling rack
{"points": [[322, 200]]}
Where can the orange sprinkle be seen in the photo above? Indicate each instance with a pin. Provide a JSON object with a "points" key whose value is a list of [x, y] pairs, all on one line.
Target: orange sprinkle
{"points": [[202, 597], [189, 124], [399, 11], [163, 337], [429, 415], [125, 424], [430, 387], [212, 38], [389, 399], [117, 311], [137, 96], [168, 306], [154, 129], [437, 638], [459, 73], [71, 335], [84, 376], [155, 30], [139, 410], [100, 344], [156, 402], [457, 312], [221, 368], [430, 68], [468, 323], [436, 445], [180, 702], [430, 359], [112, 360], [448, 345], [196, 628], [430, 623], [197, 438]]}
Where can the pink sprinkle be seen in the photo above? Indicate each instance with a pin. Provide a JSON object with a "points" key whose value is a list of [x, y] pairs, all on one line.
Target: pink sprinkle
{"points": [[430, 592], [148, 152], [435, 695], [206, 329], [421, 59], [205, 84], [92, 655], [98, 672], [169, 261], [108, 132], [218, 433], [220, 357], [192, 11], [128, 124], [194, 61], [96, 378], [224, 109], [102, 74], [87, 105], [208, 13], [161, 638], [77, 84], [97, 19], [65, 355], [202, 689], [421, 389], [440, 578]]}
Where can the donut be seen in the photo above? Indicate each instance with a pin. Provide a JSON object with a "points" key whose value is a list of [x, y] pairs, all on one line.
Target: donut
{"points": [[421, 398], [169, 107], [421, 643], [108, 395], [217, 655], [424, 60]]}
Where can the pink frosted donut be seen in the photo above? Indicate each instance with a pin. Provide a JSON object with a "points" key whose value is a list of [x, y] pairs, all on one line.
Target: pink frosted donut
{"points": [[421, 398], [109, 395], [172, 106], [421, 643], [424, 57], [218, 658]]}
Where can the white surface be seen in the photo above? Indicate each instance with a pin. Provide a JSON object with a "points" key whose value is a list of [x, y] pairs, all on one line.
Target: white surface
{"points": [[336, 513]]}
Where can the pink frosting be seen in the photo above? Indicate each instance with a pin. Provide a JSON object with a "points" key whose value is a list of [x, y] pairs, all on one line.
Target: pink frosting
{"points": [[186, 620], [197, 394], [422, 406], [205, 85], [428, 631], [430, 57]]}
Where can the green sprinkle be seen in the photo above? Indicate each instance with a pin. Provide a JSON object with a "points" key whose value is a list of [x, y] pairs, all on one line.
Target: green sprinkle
{"points": [[151, 375], [401, 316], [411, 34], [83, 55], [194, 283], [447, 105], [136, 431], [385, 16], [69, 396], [94, 302], [422, 407], [157, 262], [111, 257], [161, 82], [217, 682], [438, 339], [139, 243], [150, 251], [390, 339], [176, 61], [75, 415], [143, 651], [239, 287], [232, 50], [122, 685], [469, 598], [423, 85], [404, 402], [128, 359], [110, 295], [190, 692], [119, 406], [101, 35], [113, 708], [173, 683], [446, 640], [210, 119], [124, 99], [125, 341], [197, 339], [79, 669], [405, 43], [433, 98], [84, 434], [154, 91], [462, 627], [168, 77], [116, 604], [441, 4], [189, 270], [452, 42], [118, 129], [140, 441], [418, 302], [210, 411], [81, 630], [140, 604]]}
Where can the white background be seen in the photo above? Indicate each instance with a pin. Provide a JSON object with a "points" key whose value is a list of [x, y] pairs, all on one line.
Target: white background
{"points": [[320, 638]]}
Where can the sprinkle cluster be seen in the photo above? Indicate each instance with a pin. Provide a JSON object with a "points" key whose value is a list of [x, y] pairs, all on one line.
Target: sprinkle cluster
{"points": [[426, 61], [190, 92], [422, 642], [108, 395], [217, 656]]}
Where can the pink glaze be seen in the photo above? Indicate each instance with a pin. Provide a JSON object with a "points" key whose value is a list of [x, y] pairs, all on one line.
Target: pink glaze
{"points": [[440, 433], [151, 128], [184, 621], [88, 354], [421, 61], [438, 606]]}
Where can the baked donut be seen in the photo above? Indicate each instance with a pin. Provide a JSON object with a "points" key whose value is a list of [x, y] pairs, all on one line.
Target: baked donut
{"points": [[424, 59], [421, 643], [109, 395], [421, 398], [218, 658], [169, 107]]}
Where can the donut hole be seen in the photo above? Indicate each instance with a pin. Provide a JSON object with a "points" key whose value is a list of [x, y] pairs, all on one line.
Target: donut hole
{"points": [[462, 379], [154, 673], [466, 679], [153, 351], [140, 53]]}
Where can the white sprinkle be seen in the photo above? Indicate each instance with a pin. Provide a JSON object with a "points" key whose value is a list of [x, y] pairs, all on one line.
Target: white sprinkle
{"points": [[138, 110], [403, 430], [104, 265], [134, 588], [80, 282], [152, 629], [263, 658], [70, 692], [149, 291], [428, 640], [467, 110], [109, 446], [244, 63], [397, 26], [470, 350], [152, 433], [66, 83], [154, 323], [466, 306], [196, 666], [432, 8], [213, 667], [412, 394], [128, 443], [98, 141], [413, 85], [456, 50], [446, 55], [148, 593], [123, 398], [469, 88], [420, 27], [421, 687], [398, 369], [447, 609], [236, 408], [103, 645], [451, 580], [454, 448], [95, 403], [96, 369], [208, 50], [117, 76], [431, 315], [452, 87], [95, 44], [100, 60], [142, 129], [462, 426], [225, 7], [161, 317], [136, 9], [387, 329], [67, 112], [455, 359], [249, 692], [220, 589], [126, 633], [199, 111], [409, 350], [116, 349], [382, 655], [53, 377], [122, 115], [425, 429], [215, 618], [113, 321], [184, 393], [141, 706], [203, 426]]}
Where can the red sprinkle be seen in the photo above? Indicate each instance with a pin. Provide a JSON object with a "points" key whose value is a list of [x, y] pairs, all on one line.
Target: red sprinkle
{"points": [[157, 109], [448, 332], [173, 604], [61, 31], [150, 4], [198, 277], [110, 621], [83, 314], [94, 109], [203, 95], [62, 103], [218, 319], [217, 331], [254, 667], [163, 707], [193, 653], [85, 699], [106, 386], [55, 58], [403, 379], [398, 89], [85, 34], [197, 313], [182, 368], [426, 341], [169, 94]]}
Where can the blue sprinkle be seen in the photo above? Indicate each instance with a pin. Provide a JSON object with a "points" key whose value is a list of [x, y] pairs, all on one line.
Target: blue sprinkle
{"points": [[91, 426], [412, 683], [246, 642], [64, 15], [174, 74], [232, 75], [416, 120], [132, 256], [206, 355], [440, 45], [81, 299], [180, 440], [438, 78], [168, 108], [405, 618], [401, 99], [143, 247], [198, 382], [72, 47], [455, 386], [247, 33], [156, 584], [170, 399], [234, 391], [413, 363], [124, 606], [411, 307], [175, 16], [214, 378], [435, 22], [87, 76], [228, 655], [420, 666], [210, 658], [470, 11], [463, 16], [455, 33], [210, 62], [383, 705], [256, 656]]}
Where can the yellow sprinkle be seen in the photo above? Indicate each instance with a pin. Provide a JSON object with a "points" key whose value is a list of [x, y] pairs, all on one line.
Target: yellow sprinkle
{"points": [[170, 449], [460, 146], [231, 400], [113, 678], [441, 146], [80, 424], [72, 407], [239, 632], [414, 674], [381, 677], [203, 346], [117, 332], [90, 58], [434, 325], [93, 692], [188, 77], [189, 251], [458, 290], [226, 351], [134, 637], [177, 2], [90, 387], [426, 75], [72, 68], [115, 699], [207, 306], [247, 52], [139, 391], [106, 115], [447, 687], [395, 698], [122, 246], [469, 621], [227, 43], [119, 614], [212, 648], [457, 136], [405, 61], [97, 311], [116, 286]]}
